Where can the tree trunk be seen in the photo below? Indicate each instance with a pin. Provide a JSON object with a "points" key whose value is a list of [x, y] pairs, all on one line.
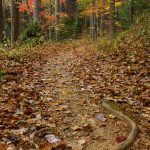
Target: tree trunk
{"points": [[36, 10], [49, 28], [93, 23], [102, 17], [57, 10], [112, 19], [14, 21], [56, 18], [1, 21], [71, 8], [131, 11]]}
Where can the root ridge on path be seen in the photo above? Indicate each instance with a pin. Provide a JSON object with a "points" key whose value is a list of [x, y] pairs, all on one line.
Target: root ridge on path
{"points": [[134, 128]]}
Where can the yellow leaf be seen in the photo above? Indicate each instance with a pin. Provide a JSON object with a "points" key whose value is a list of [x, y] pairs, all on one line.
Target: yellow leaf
{"points": [[117, 4]]}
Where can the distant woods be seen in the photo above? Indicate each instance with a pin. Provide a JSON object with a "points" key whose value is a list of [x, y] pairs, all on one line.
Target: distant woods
{"points": [[60, 19]]}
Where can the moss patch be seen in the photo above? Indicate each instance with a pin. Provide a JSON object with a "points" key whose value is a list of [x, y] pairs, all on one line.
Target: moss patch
{"points": [[114, 105]]}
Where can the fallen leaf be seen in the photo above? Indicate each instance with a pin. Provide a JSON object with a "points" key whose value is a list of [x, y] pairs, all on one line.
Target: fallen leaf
{"points": [[112, 116], [46, 146], [3, 146], [101, 117], [76, 128], [120, 139], [52, 139], [11, 147], [81, 142]]}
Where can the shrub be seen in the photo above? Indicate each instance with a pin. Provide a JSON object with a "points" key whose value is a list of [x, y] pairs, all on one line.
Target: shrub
{"points": [[32, 30], [31, 42], [69, 28], [15, 54], [123, 13], [32, 35], [6, 41]]}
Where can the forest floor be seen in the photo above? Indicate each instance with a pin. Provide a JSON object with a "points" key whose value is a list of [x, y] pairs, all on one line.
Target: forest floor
{"points": [[51, 99]]}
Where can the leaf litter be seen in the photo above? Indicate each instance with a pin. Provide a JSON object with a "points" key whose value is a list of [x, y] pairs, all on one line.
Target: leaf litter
{"points": [[55, 94]]}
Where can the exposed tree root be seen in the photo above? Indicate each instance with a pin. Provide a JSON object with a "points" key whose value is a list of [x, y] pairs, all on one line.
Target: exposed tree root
{"points": [[134, 128]]}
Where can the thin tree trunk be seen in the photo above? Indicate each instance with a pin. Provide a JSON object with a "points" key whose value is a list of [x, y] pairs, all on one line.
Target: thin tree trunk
{"points": [[102, 18], [93, 22], [56, 17], [94, 27], [76, 25], [1, 21], [36, 10], [57, 10], [49, 28], [14, 22], [86, 24], [71, 8], [131, 11], [112, 19]]}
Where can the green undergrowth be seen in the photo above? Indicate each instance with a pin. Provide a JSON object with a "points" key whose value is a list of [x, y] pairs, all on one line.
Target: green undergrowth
{"points": [[18, 52], [15, 54], [137, 37], [12, 54], [2, 74]]}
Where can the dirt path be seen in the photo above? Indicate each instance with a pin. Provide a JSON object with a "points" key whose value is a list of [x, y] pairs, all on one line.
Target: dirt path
{"points": [[71, 107]]}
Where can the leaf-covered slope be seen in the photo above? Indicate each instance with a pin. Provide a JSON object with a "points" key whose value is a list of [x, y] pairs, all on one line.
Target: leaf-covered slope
{"points": [[137, 38]]}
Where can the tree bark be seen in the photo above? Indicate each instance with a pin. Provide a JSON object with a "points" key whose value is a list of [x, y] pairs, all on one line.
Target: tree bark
{"points": [[14, 21], [1, 21], [112, 19]]}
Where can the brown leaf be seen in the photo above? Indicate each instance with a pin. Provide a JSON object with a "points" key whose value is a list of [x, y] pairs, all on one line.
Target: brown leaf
{"points": [[46, 146], [3, 146]]}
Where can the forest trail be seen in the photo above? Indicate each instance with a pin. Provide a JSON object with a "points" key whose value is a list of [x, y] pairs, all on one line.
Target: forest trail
{"points": [[71, 106], [57, 96]]}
